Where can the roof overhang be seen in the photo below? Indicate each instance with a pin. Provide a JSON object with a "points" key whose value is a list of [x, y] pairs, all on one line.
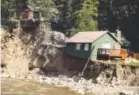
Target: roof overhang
{"points": [[115, 38]]}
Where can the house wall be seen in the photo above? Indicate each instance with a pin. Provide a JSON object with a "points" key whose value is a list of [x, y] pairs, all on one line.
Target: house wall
{"points": [[30, 15], [26, 14], [71, 47], [71, 50], [99, 43]]}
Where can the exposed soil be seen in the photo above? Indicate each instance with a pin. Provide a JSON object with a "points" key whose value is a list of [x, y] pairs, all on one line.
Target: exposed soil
{"points": [[16, 57]]}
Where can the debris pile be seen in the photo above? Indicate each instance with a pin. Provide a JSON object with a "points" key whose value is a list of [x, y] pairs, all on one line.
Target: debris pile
{"points": [[15, 56], [85, 86]]}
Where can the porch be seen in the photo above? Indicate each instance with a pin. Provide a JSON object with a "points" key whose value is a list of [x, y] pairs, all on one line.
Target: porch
{"points": [[111, 53]]}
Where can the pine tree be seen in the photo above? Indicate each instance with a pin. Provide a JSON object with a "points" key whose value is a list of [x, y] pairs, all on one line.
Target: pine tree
{"points": [[86, 16], [65, 8], [47, 8], [8, 8]]}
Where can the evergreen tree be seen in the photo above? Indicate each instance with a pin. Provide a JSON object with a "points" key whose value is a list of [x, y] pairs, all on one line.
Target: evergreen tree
{"points": [[11, 8], [47, 8], [8, 8], [65, 8], [86, 16], [78, 15]]}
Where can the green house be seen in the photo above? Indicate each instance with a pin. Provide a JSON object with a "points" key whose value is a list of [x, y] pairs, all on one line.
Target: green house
{"points": [[86, 44]]}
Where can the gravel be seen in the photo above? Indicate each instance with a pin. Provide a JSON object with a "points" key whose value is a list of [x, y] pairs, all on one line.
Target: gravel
{"points": [[87, 86], [82, 86]]}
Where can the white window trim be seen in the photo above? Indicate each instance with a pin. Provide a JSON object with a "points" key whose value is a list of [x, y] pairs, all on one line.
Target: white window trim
{"points": [[78, 46], [86, 47]]}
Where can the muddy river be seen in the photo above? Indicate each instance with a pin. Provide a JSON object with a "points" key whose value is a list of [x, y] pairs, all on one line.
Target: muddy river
{"points": [[22, 87]]}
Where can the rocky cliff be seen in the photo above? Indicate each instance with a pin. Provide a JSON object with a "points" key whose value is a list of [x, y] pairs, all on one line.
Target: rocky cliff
{"points": [[27, 50]]}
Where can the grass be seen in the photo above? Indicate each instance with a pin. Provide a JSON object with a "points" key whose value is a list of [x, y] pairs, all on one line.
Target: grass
{"points": [[135, 64]]}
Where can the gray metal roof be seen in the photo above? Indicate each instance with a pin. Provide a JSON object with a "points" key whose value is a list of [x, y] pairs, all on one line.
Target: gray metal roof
{"points": [[88, 37], [85, 37], [32, 8]]}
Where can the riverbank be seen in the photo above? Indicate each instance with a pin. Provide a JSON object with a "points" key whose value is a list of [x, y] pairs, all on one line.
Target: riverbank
{"points": [[21, 87], [80, 85], [16, 57]]}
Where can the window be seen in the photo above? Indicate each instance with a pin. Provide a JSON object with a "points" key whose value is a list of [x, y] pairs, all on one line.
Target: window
{"points": [[78, 46], [25, 14], [36, 15], [86, 47]]}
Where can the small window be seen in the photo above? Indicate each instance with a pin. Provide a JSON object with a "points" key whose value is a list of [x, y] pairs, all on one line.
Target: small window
{"points": [[36, 15], [25, 14], [86, 47], [78, 46]]}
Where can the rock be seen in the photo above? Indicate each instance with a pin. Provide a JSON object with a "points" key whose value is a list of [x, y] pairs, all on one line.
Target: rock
{"points": [[36, 71], [2, 70], [127, 92], [4, 76], [13, 75], [21, 77], [39, 79], [57, 37], [29, 77], [81, 91], [82, 86]]}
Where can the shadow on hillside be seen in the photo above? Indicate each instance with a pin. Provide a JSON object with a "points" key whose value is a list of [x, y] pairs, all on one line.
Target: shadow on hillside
{"points": [[32, 37]]}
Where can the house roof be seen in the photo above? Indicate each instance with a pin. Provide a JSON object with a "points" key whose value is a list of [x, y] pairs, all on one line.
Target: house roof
{"points": [[123, 39], [32, 8], [87, 37]]}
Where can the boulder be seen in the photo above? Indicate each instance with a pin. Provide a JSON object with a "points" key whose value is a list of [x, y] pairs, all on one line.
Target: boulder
{"points": [[50, 51], [55, 38]]}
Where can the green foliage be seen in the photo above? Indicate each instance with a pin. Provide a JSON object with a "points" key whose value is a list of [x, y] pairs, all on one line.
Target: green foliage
{"points": [[47, 7], [81, 14], [113, 13], [65, 8], [86, 16], [11, 8], [123, 14], [7, 8]]}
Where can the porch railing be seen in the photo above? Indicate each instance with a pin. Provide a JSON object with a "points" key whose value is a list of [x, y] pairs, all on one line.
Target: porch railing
{"points": [[123, 53], [113, 52]]}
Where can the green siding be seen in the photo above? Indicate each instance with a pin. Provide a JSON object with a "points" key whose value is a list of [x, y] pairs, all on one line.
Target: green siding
{"points": [[71, 50], [99, 42], [71, 47]]}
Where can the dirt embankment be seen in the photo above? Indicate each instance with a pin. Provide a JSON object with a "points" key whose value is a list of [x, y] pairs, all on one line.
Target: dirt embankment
{"points": [[16, 56], [20, 52]]}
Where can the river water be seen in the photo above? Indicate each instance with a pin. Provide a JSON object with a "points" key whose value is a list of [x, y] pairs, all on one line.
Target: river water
{"points": [[22, 87]]}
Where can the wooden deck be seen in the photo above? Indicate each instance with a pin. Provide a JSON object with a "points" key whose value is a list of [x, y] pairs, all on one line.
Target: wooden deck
{"points": [[117, 53]]}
